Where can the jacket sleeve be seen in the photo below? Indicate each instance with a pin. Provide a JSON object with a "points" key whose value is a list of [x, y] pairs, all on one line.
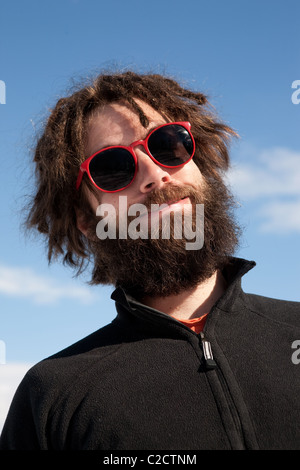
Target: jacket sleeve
{"points": [[20, 430]]}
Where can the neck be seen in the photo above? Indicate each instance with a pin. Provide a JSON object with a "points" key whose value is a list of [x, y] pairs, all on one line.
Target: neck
{"points": [[191, 303]]}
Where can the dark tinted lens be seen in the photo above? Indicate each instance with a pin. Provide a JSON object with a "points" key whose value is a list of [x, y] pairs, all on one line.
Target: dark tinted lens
{"points": [[171, 145], [112, 169]]}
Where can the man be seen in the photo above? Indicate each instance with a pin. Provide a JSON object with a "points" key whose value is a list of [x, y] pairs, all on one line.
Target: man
{"points": [[191, 361]]}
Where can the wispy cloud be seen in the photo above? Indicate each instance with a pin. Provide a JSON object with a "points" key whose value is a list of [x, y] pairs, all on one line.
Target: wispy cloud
{"points": [[281, 217], [26, 283], [272, 178]]}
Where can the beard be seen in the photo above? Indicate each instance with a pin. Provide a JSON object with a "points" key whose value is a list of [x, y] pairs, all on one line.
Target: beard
{"points": [[160, 267]]}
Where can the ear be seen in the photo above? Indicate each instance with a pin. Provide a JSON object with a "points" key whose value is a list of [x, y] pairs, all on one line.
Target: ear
{"points": [[82, 216], [81, 221]]}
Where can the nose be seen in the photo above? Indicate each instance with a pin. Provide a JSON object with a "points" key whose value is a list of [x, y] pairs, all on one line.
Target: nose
{"points": [[150, 175]]}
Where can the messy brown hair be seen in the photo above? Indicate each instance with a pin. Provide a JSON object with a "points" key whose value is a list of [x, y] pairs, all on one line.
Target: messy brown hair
{"points": [[61, 149]]}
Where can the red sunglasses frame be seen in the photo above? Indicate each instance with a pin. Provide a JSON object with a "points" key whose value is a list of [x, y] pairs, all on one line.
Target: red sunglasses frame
{"points": [[84, 167]]}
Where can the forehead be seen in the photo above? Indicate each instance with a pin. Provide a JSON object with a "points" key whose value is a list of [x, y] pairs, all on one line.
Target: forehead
{"points": [[118, 124]]}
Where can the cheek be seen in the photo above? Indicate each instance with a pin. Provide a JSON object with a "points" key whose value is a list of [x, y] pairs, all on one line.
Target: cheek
{"points": [[110, 198], [194, 168], [190, 173]]}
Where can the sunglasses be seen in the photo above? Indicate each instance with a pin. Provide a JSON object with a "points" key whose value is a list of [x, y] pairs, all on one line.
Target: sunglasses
{"points": [[114, 168]]}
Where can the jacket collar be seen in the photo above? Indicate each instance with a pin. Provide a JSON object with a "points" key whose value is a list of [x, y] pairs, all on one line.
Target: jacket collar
{"points": [[233, 272]]}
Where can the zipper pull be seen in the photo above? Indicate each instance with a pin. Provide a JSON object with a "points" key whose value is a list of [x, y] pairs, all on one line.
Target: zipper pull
{"points": [[208, 355]]}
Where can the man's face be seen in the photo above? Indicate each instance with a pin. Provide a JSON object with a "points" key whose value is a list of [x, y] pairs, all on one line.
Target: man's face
{"points": [[156, 266], [117, 124]]}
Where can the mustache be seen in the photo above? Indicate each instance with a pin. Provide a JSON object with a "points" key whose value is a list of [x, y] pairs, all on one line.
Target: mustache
{"points": [[171, 193]]}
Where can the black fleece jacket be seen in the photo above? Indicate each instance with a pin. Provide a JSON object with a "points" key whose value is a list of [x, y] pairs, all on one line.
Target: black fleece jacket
{"points": [[143, 382]]}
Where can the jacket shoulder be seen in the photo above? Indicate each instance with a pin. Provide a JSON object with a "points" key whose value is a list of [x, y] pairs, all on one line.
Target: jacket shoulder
{"points": [[72, 361], [283, 311], [49, 381]]}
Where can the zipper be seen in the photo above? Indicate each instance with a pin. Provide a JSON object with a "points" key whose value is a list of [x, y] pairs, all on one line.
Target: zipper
{"points": [[237, 440], [207, 351], [233, 410]]}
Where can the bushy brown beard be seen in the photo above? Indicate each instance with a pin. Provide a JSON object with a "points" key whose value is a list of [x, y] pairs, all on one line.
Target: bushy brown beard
{"points": [[163, 267]]}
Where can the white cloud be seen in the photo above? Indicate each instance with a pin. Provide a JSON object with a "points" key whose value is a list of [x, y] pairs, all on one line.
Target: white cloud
{"points": [[24, 282], [272, 179], [274, 172], [281, 217], [10, 377]]}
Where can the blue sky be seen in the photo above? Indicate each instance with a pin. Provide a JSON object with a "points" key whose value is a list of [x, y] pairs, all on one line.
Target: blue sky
{"points": [[244, 54]]}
